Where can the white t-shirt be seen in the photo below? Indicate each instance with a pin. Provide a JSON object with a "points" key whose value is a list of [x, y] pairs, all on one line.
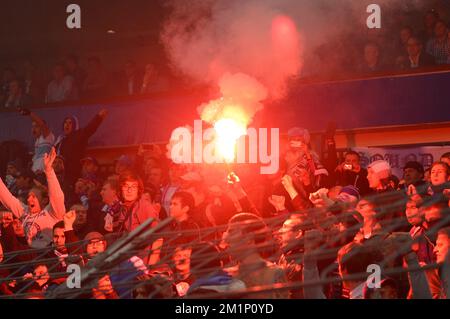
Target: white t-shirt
{"points": [[39, 228]]}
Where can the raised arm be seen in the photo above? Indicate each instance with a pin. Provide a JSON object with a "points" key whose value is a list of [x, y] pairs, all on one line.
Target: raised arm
{"points": [[297, 201], [9, 201], [37, 119], [245, 202], [55, 192], [94, 124], [419, 283]]}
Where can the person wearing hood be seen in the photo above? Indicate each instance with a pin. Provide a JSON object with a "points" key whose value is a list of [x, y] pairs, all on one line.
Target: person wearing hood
{"points": [[72, 144]]}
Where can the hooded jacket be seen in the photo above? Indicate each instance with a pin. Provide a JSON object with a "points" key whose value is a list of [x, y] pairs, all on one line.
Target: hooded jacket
{"points": [[73, 146]]}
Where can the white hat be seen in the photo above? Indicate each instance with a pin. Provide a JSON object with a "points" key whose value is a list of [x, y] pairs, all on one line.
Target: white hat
{"points": [[381, 168]]}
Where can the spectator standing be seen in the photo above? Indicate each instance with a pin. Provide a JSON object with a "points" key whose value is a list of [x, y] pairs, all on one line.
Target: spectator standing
{"points": [[62, 87], [96, 82], [439, 45], [75, 70], [131, 82], [416, 57], [350, 172], [44, 140], [16, 97], [43, 210], [72, 144]]}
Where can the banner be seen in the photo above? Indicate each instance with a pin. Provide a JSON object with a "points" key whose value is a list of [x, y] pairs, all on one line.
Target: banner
{"points": [[398, 157]]}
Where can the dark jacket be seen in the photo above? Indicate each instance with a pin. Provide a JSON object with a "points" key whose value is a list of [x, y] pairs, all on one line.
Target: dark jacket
{"points": [[425, 60], [178, 233], [72, 254], [358, 180], [12, 244], [73, 146]]}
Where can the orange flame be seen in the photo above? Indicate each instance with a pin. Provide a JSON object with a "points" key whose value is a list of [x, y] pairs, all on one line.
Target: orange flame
{"points": [[232, 113], [228, 132]]}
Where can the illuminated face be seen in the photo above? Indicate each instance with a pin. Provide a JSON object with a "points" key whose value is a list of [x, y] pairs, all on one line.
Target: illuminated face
{"points": [[182, 260], [177, 210], [374, 180], [81, 218], [1, 253], [33, 202], [6, 218], [68, 126], [432, 213], [438, 175], [353, 160], [95, 247], [413, 214], [59, 239], [108, 194], [441, 248], [41, 275], [366, 209], [130, 191], [18, 228], [287, 234]]}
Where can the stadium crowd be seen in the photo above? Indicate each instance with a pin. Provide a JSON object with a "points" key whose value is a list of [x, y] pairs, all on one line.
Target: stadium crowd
{"points": [[149, 228], [397, 48], [309, 231]]}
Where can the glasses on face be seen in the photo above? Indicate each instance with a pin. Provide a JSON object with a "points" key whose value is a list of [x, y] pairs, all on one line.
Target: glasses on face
{"points": [[96, 243], [128, 188]]}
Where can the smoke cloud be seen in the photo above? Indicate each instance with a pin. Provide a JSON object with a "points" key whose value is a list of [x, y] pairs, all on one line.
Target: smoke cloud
{"points": [[270, 41]]}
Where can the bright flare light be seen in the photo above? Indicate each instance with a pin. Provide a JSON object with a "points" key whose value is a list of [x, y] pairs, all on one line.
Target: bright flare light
{"points": [[228, 132]]}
